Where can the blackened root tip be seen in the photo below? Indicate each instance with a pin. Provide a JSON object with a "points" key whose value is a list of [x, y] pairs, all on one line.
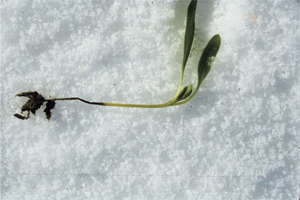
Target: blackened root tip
{"points": [[21, 116]]}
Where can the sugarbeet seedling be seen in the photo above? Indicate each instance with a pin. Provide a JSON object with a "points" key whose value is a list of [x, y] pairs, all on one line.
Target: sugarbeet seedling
{"points": [[182, 95]]}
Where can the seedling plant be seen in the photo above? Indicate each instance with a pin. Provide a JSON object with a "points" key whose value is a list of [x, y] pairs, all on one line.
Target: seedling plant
{"points": [[182, 96]]}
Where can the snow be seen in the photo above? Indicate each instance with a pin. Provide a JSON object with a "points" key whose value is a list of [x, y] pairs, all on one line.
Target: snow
{"points": [[237, 139]]}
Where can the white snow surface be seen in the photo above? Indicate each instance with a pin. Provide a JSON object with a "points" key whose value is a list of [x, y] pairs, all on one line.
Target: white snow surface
{"points": [[237, 139]]}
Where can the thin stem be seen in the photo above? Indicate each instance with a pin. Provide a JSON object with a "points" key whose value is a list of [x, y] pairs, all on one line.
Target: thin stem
{"points": [[169, 103], [112, 104], [75, 98]]}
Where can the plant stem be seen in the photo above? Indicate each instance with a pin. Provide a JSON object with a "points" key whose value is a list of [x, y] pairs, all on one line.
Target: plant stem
{"points": [[113, 104]]}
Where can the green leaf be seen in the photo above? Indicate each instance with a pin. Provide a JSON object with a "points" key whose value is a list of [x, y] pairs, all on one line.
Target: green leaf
{"points": [[189, 32], [207, 57], [188, 41], [185, 93]]}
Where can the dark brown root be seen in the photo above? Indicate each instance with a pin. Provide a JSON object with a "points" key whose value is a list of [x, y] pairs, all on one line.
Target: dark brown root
{"points": [[49, 105]]}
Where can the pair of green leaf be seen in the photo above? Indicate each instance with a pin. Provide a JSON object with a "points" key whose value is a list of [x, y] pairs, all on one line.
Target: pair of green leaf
{"points": [[205, 62]]}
